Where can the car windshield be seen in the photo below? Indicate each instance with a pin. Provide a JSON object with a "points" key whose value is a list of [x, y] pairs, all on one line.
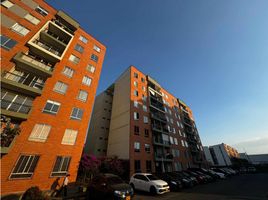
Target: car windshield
{"points": [[152, 177], [114, 180]]}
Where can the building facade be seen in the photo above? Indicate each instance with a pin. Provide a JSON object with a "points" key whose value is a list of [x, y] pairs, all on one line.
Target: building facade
{"points": [[50, 69], [145, 125], [221, 154]]}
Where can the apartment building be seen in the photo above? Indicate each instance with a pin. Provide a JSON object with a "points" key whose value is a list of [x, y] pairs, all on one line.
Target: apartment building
{"points": [[221, 154], [50, 68], [146, 125]]}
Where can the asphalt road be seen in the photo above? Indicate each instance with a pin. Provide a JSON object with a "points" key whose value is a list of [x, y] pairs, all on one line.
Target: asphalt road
{"points": [[246, 186]]}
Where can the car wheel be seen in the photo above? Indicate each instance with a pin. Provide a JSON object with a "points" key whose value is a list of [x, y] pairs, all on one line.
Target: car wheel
{"points": [[132, 185], [153, 190]]}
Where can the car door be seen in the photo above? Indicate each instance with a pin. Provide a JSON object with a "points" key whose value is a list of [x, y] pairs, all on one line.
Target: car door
{"points": [[138, 182], [145, 183]]}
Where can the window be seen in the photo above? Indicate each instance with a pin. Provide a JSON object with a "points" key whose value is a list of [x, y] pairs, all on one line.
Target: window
{"points": [[137, 165], [41, 11], [136, 116], [7, 4], [137, 146], [142, 79], [176, 141], [135, 83], [51, 107], [144, 107], [181, 125], [147, 148], [182, 143], [136, 75], [148, 166], [94, 57], [136, 93], [77, 113], [144, 98], [91, 68], [83, 39], [145, 119], [96, 48], [174, 130], [74, 59], [171, 120], [171, 140], [136, 130], [86, 80], [79, 48], [68, 71], [69, 137], [25, 166], [7, 43], [146, 132], [186, 144], [82, 95], [169, 129], [180, 133], [136, 104], [60, 87], [167, 118], [61, 166], [178, 124], [20, 29], [40, 132], [32, 19], [143, 88]]}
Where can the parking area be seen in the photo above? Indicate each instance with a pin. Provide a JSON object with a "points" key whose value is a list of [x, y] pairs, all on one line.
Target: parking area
{"points": [[245, 186]]}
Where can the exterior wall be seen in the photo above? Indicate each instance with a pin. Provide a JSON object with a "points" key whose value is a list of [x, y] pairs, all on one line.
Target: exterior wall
{"points": [[118, 141], [258, 159], [208, 155], [52, 147], [97, 138], [221, 157]]}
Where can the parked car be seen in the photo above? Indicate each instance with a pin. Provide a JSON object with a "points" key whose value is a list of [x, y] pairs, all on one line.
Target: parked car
{"points": [[220, 175], [109, 186], [149, 183], [174, 183], [186, 182], [200, 178], [252, 169], [192, 177], [243, 170], [227, 174]]}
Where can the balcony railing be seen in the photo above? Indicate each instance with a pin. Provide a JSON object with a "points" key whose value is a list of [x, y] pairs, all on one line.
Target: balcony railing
{"points": [[157, 105], [47, 47], [25, 80], [38, 62], [56, 37], [63, 26], [158, 116], [159, 128], [15, 107], [161, 142], [163, 157]]}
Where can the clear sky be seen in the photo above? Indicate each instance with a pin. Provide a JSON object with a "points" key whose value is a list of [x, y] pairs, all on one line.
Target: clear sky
{"points": [[213, 54]]}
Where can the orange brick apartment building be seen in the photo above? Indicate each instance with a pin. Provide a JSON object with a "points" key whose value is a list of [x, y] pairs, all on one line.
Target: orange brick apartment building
{"points": [[138, 120], [50, 70]]}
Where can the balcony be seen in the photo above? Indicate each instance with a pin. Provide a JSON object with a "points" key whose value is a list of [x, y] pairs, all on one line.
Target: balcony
{"points": [[156, 105], [159, 128], [23, 84], [34, 64], [16, 111], [163, 157], [53, 39], [159, 117], [161, 142]]}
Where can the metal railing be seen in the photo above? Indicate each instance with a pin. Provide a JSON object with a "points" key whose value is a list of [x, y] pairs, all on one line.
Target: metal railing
{"points": [[56, 37], [47, 47], [38, 62], [25, 80], [60, 24], [15, 107]]}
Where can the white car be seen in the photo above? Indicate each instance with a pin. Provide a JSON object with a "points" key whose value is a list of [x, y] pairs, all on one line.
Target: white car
{"points": [[149, 183], [221, 175]]}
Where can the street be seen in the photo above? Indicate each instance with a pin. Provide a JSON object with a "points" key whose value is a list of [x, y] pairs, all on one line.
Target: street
{"points": [[247, 186]]}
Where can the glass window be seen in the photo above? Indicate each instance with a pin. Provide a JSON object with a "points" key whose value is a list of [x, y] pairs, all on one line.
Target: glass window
{"points": [[137, 166], [96, 48], [79, 48], [82, 95], [182, 143], [60, 87], [147, 148], [77, 113], [25, 166], [51, 107], [7, 4], [135, 83], [136, 130], [171, 140], [136, 104], [61, 166], [136, 75], [137, 146], [136, 93], [69, 137], [94, 57], [32, 19], [91, 68], [146, 132], [41, 11], [7, 43], [144, 107], [143, 88], [175, 141], [83, 39], [142, 79], [20, 29], [74, 59], [145, 119], [86, 80], [40, 132], [68, 71], [136, 116]]}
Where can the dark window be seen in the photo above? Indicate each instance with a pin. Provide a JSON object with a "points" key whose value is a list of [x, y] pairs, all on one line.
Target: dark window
{"points": [[77, 113], [146, 132], [51, 107], [136, 130], [61, 166], [142, 80], [137, 165], [25, 166], [7, 43], [148, 166], [41, 11], [94, 57], [147, 148], [136, 75], [79, 48]]}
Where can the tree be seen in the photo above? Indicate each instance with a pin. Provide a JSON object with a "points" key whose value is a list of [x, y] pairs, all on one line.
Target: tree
{"points": [[89, 166], [8, 131]]}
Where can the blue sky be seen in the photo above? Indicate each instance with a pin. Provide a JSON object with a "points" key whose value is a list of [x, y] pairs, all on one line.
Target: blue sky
{"points": [[211, 54]]}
